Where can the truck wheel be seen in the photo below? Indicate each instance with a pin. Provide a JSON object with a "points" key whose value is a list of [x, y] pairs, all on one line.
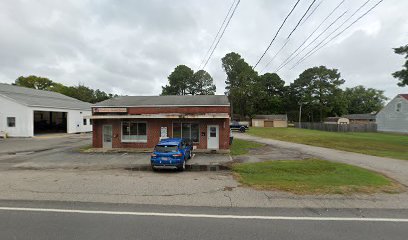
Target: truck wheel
{"points": [[242, 129]]}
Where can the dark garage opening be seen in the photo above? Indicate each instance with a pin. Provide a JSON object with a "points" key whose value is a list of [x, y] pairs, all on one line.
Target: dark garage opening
{"points": [[50, 122]]}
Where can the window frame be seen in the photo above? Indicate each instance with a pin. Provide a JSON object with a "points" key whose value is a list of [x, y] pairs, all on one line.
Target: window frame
{"points": [[84, 121], [181, 129], [398, 107], [133, 141], [8, 122]]}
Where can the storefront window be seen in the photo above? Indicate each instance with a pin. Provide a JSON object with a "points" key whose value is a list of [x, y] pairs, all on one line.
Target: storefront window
{"points": [[188, 131], [177, 130], [134, 131]]}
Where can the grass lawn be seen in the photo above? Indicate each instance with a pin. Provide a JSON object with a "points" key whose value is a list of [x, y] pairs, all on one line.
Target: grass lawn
{"points": [[312, 176], [240, 147], [377, 144]]}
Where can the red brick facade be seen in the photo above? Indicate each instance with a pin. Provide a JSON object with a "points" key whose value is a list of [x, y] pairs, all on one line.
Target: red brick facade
{"points": [[185, 110], [154, 126]]}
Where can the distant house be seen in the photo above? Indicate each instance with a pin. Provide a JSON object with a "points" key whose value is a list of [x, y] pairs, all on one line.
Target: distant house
{"points": [[337, 120], [394, 116], [280, 120], [366, 118]]}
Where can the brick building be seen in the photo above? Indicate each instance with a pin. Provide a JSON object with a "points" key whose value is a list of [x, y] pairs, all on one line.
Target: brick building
{"points": [[141, 121]]}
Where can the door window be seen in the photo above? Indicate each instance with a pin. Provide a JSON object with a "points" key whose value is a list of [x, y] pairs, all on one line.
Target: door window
{"points": [[213, 132], [107, 134]]}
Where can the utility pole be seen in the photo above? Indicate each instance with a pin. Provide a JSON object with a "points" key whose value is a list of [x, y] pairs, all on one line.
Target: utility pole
{"points": [[300, 115]]}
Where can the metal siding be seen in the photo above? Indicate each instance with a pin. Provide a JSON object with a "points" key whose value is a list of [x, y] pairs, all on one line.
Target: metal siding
{"points": [[389, 120]]}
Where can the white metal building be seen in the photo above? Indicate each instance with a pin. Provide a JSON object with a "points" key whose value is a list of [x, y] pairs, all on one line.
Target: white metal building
{"points": [[394, 116], [25, 112]]}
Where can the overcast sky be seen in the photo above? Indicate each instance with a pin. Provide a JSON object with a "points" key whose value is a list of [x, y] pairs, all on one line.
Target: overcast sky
{"points": [[130, 47]]}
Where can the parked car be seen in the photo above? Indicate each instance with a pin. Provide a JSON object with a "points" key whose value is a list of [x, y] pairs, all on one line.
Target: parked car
{"points": [[171, 153], [235, 125]]}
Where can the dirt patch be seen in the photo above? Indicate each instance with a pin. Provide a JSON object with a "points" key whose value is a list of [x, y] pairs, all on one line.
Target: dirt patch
{"points": [[268, 152], [227, 188]]}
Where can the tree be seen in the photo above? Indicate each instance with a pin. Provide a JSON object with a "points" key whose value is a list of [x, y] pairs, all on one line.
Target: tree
{"points": [[268, 94], [201, 84], [364, 100], [80, 92], [402, 75], [318, 89], [183, 81], [239, 84], [35, 82], [178, 81]]}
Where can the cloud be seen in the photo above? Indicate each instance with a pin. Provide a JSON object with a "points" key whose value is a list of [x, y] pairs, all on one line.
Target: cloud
{"points": [[130, 47]]}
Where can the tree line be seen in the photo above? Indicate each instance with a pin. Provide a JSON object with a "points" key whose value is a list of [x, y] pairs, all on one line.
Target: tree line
{"points": [[80, 92], [318, 90]]}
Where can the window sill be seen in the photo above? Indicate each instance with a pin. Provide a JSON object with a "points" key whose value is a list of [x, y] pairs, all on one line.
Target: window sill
{"points": [[134, 141]]}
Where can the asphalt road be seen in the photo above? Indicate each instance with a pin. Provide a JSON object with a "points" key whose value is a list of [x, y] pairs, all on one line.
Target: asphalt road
{"points": [[59, 220]]}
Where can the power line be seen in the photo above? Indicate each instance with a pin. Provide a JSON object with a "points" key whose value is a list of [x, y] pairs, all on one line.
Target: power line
{"points": [[312, 12], [218, 33], [311, 52], [273, 39], [324, 31], [226, 25], [294, 29], [331, 39], [310, 35], [288, 38], [351, 16]]}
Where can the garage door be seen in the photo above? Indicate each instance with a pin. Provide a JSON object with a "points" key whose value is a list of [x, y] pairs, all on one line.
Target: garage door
{"points": [[50, 122], [268, 123]]}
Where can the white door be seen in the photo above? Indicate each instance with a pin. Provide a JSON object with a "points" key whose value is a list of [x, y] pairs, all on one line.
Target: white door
{"points": [[213, 141], [107, 136]]}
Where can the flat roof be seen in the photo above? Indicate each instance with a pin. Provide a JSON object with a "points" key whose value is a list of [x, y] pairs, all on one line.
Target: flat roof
{"points": [[40, 98], [165, 101], [364, 116], [282, 117]]}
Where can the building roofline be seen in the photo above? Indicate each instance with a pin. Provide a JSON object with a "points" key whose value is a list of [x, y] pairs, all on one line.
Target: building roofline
{"points": [[180, 105], [68, 108], [13, 100], [41, 106], [405, 96]]}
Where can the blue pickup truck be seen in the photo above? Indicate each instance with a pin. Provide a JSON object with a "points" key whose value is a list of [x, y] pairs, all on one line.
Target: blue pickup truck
{"points": [[171, 153], [235, 125]]}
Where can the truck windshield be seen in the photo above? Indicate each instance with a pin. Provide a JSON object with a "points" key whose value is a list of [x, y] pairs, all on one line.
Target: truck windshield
{"points": [[166, 148]]}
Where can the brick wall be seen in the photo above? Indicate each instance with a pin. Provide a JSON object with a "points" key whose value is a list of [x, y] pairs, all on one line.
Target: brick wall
{"points": [[189, 110], [153, 132]]}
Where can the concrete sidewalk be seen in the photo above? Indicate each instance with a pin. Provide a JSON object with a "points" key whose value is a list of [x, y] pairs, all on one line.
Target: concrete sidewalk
{"points": [[393, 168]]}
